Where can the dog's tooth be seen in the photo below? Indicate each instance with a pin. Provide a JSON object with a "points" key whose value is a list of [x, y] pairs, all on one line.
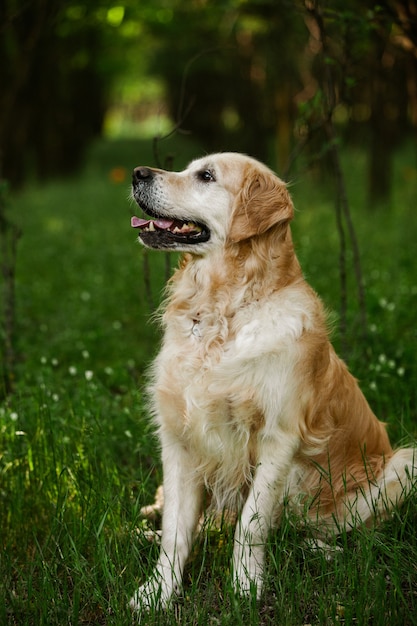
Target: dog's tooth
{"points": [[151, 227]]}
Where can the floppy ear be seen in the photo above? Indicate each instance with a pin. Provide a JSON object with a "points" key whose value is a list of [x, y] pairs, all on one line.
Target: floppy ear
{"points": [[263, 202]]}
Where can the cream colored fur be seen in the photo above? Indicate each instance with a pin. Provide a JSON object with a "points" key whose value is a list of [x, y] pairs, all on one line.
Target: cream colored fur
{"points": [[249, 398]]}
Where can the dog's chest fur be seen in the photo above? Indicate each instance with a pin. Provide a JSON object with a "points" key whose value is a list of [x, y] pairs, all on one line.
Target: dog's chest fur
{"points": [[216, 429], [203, 393]]}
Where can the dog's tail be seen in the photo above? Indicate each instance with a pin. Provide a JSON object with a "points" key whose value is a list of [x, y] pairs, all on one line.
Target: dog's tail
{"points": [[381, 494]]}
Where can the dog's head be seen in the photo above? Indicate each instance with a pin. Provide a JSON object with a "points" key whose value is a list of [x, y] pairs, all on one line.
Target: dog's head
{"points": [[222, 199]]}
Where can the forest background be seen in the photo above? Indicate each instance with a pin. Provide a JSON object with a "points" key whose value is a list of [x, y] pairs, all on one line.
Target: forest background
{"points": [[246, 74], [326, 94]]}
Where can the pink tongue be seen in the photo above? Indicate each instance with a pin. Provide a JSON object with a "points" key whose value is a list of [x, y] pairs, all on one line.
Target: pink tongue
{"points": [[137, 222], [163, 224]]}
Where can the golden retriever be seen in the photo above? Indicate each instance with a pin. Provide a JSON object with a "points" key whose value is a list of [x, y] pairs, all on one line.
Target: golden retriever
{"points": [[251, 402]]}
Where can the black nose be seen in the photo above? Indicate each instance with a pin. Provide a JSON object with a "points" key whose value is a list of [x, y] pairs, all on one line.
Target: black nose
{"points": [[144, 174]]}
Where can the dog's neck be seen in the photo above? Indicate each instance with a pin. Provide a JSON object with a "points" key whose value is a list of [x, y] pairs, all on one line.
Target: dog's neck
{"points": [[231, 277]]}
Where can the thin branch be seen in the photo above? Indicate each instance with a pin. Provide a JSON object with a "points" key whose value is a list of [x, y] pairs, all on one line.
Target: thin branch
{"points": [[9, 237], [147, 280], [342, 203]]}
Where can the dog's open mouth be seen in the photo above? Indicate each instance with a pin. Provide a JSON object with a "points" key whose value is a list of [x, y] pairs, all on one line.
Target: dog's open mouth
{"points": [[161, 232]]}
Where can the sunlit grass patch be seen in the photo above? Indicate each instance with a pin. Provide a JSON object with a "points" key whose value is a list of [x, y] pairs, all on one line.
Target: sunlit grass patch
{"points": [[71, 479]]}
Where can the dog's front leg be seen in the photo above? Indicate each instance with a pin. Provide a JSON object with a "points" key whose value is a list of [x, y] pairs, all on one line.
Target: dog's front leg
{"points": [[182, 507], [265, 496]]}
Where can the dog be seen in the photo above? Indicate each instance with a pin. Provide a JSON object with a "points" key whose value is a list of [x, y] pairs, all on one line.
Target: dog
{"points": [[251, 402]]}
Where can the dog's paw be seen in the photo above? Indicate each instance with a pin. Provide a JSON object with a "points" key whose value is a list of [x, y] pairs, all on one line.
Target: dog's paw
{"points": [[155, 594], [149, 596], [246, 585], [248, 568]]}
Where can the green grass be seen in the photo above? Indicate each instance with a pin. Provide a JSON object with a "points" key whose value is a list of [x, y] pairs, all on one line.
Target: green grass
{"points": [[77, 455]]}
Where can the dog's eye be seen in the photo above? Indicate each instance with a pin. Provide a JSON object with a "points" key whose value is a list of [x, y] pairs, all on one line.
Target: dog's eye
{"points": [[206, 176]]}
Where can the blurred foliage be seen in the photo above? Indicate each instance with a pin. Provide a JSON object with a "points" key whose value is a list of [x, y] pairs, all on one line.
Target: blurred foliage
{"points": [[57, 80], [237, 74], [247, 75]]}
